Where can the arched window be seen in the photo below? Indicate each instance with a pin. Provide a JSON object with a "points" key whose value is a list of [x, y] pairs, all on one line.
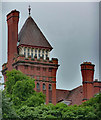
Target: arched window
{"points": [[38, 86], [31, 53], [44, 86], [50, 87], [25, 52]]}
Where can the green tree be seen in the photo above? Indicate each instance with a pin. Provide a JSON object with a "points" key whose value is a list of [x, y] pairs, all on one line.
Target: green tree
{"points": [[95, 102], [21, 101], [20, 88], [8, 111], [18, 95]]}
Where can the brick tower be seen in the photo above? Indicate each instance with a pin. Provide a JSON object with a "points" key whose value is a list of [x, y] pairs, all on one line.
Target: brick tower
{"points": [[12, 22], [87, 69], [28, 52]]}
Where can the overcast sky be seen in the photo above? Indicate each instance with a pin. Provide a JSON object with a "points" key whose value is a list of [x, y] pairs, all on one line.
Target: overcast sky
{"points": [[71, 28]]}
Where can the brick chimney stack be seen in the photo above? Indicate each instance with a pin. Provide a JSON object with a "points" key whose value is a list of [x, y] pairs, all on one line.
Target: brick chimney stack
{"points": [[12, 22], [87, 69]]}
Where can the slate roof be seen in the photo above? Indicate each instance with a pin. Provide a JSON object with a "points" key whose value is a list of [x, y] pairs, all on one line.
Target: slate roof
{"points": [[61, 95], [31, 35], [74, 96]]}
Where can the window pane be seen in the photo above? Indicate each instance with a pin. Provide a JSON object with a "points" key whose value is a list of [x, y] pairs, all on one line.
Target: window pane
{"points": [[38, 86], [50, 87], [28, 52], [32, 53], [44, 86]]}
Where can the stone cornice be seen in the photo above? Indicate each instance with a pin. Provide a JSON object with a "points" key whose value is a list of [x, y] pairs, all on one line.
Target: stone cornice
{"points": [[35, 63]]}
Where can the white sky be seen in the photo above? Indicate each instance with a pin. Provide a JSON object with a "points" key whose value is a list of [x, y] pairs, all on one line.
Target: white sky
{"points": [[71, 28]]}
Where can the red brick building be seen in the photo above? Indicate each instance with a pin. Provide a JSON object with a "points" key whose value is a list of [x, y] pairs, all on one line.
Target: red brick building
{"points": [[29, 51]]}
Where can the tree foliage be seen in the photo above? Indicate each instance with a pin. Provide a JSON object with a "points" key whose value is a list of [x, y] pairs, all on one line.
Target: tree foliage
{"points": [[20, 88], [8, 111], [19, 100], [20, 92]]}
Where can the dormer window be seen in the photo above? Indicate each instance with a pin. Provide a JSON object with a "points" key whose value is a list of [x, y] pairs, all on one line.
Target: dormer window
{"points": [[31, 53], [25, 52]]}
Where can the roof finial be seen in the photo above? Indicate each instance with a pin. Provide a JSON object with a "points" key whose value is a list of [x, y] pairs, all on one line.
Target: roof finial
{"points": [[29, 9]]}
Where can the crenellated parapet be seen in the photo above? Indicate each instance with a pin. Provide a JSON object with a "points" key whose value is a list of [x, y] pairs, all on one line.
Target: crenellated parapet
{"points": [[35, 60]]}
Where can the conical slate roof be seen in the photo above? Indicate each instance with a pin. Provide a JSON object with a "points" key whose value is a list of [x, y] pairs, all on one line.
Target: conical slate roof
{"points": [[31, 35]]}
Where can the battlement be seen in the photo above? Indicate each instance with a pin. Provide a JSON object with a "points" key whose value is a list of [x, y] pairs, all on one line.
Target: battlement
{"points": [[35, 59]]}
